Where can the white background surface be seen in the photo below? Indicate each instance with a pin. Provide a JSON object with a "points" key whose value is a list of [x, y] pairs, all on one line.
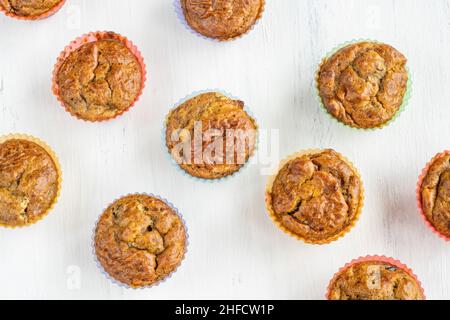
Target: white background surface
{"points": [[235, 250]]}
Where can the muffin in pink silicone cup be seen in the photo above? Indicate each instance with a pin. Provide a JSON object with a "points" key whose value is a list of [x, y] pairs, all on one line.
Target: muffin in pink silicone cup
{"points": [[30, 9], [140, 240], [433, 195], [99, 76], [375, 278]]}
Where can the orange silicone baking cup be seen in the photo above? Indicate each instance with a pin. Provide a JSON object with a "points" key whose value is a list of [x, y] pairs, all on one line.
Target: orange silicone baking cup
{"points": [[58, 169], [277, 222], [44, 15], [384, 259], [419, 195], [88, 38]]}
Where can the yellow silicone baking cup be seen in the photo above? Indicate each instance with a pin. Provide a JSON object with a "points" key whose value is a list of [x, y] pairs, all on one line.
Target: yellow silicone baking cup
{"points": [[58, 170], [277, 222]]}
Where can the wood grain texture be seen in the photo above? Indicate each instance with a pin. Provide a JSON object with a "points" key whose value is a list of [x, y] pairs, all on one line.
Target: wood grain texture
{"points": [[235, 251]]}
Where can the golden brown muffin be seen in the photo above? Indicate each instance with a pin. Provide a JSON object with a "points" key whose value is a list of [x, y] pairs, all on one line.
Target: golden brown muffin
{"points": [[375, 281], [140, 240], [99, 80], [363, 84], [28, 182], [436, 194], [222, 19], [316, 196], [219, 133], [29, 8]]}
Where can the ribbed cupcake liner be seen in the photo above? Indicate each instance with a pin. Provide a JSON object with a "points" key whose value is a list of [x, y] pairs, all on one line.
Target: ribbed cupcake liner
{"points": [[180, 14], [52, 154], [375, 258], [419, 195], [174, 162], [402, 108], [39, 17], [273, 216], [167, 277], [88, 38]]}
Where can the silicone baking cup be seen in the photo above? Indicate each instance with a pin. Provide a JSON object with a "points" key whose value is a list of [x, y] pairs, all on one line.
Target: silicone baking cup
{"points": [[180, 14], [419, 195], [174, 162], [39, 17], [50, 152], [384, 259], [406, 97], [123, 285], [92, 37], [274, 218]]}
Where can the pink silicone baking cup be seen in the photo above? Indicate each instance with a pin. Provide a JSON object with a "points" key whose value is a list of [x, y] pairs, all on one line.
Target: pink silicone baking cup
{"points": [[92, 37], [39, 17], [419, 195], [375, 258]]}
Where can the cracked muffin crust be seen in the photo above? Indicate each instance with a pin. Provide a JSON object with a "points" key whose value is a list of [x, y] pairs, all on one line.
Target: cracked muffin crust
{"points": [[29, 182], [29, 8], [100, 80], [316, 196], [375, 280], [220, 134], [435, 193], [363, 85], [222, 19], [140, 240]]}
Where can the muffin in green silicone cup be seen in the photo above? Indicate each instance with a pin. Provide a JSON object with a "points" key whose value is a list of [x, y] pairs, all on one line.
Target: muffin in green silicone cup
{"points": [[364, 84]]}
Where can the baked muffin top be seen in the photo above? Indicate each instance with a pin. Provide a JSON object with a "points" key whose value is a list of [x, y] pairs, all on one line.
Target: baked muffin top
{"points": [[29, 8], [436, 194], [316, 196], [99, 80], [375, 281], [28, 182], [363, 84], [140, 240], [220, 134], [222, 19]]}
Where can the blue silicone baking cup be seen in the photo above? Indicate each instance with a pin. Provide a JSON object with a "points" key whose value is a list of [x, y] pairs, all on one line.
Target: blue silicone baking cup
{"points": [[173, 161], [180, 14], [121, 284]]}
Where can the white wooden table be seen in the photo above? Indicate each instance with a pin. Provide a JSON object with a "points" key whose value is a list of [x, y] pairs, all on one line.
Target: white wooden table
{"points": [[235, 250]]}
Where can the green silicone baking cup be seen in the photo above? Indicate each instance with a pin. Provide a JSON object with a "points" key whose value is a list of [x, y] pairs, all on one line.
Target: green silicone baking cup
{"points": [[406, 97]]}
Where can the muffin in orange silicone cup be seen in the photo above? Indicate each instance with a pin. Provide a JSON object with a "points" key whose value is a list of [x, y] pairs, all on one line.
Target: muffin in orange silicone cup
{"points": [[99, 76], [433, 194], [317, 196], [375, 278], [30, 9], [30, 180]]}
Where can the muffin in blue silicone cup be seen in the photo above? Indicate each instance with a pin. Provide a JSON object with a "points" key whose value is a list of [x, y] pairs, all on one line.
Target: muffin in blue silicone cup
{"points": [[139, 241], [210, 135], [223, 20]]}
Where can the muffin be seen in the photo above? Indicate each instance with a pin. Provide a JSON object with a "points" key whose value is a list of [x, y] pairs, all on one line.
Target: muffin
{"points": [[140, 240], [211, 136], [100, 80], [363, 85], [316, 196], [375, 280], [29, 8], [435, 193], [29, 181], [222, 20]]}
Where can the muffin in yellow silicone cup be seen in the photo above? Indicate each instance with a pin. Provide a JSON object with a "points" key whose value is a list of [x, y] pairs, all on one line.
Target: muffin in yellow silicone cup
{"points": [[30, 9], [30, 180], [317, 196], [375, 278]]}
